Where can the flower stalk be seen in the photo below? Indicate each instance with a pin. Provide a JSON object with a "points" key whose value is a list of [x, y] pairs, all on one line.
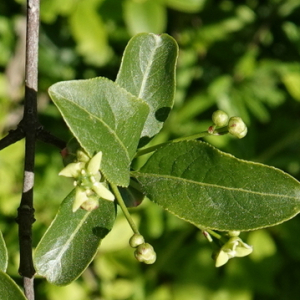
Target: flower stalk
{"points": [[222, 125], [124, 209]]}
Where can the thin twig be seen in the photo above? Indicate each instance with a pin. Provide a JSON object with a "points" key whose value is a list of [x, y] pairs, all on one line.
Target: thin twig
{"points": [[12, 137], [30, 126], [29, 287], [47, 137]]}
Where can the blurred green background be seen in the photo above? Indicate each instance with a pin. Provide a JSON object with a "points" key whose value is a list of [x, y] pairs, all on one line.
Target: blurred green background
{"points": [[239, 56]]}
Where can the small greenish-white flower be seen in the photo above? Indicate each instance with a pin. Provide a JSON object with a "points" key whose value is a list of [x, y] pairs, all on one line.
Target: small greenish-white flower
{"points": [[87, 181], [234, 247], [237, 127]]}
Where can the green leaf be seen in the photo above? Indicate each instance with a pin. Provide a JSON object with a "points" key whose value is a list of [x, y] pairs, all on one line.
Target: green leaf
{"points": [[103, 117], [189, 6], [89, 32], [9, 289], [148, 72], [51, 9], [72, 240], [3, 254], [292, 83], [145, 16], [215, 190]]}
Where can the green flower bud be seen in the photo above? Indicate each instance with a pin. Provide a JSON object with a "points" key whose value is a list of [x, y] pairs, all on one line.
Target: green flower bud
{"points": [[145, 253], [82, 156], [136, 240], [237, 127], [220, 118]]}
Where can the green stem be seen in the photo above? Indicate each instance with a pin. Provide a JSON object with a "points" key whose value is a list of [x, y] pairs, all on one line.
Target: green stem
{"points": [[214, 234], [124, 208], [197, 136]]}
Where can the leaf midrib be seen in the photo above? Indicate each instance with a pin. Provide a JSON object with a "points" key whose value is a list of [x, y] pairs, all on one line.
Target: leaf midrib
{"points": [[97, 118], [148, 68], [63, 249], [212, 185]]}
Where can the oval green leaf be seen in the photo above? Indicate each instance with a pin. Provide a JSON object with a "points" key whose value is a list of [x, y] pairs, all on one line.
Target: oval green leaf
{"points": [[103, 117], [9, 289], [215, 190], [3, 254], [148, 72], [72, 241]]}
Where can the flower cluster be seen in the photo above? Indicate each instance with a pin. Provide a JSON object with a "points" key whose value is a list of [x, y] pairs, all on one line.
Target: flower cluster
{"points": [[89, 186], [224, 124]]}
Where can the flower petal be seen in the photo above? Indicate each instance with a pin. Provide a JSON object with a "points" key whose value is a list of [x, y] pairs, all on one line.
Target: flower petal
{"points": [[80, 198], [221, 259], [243, 249], [94, 164], [103, 192], [72, 170]]}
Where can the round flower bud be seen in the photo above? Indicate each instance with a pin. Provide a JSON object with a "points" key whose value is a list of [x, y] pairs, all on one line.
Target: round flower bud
{"points": [[82, 156], [136, 240], [237, 127], [145, 253], [220, 118]]}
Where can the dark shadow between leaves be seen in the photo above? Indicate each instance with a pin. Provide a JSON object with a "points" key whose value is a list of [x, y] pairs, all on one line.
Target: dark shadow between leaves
{"points": [[100, 232], [162, 114]]}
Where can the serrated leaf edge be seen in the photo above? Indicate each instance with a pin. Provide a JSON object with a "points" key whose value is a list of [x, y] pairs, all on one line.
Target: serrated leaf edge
{"points": [[136, 173]]}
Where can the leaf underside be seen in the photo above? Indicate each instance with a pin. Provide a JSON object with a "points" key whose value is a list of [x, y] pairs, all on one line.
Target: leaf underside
{"points": [[72, 241], [215, 190]]}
